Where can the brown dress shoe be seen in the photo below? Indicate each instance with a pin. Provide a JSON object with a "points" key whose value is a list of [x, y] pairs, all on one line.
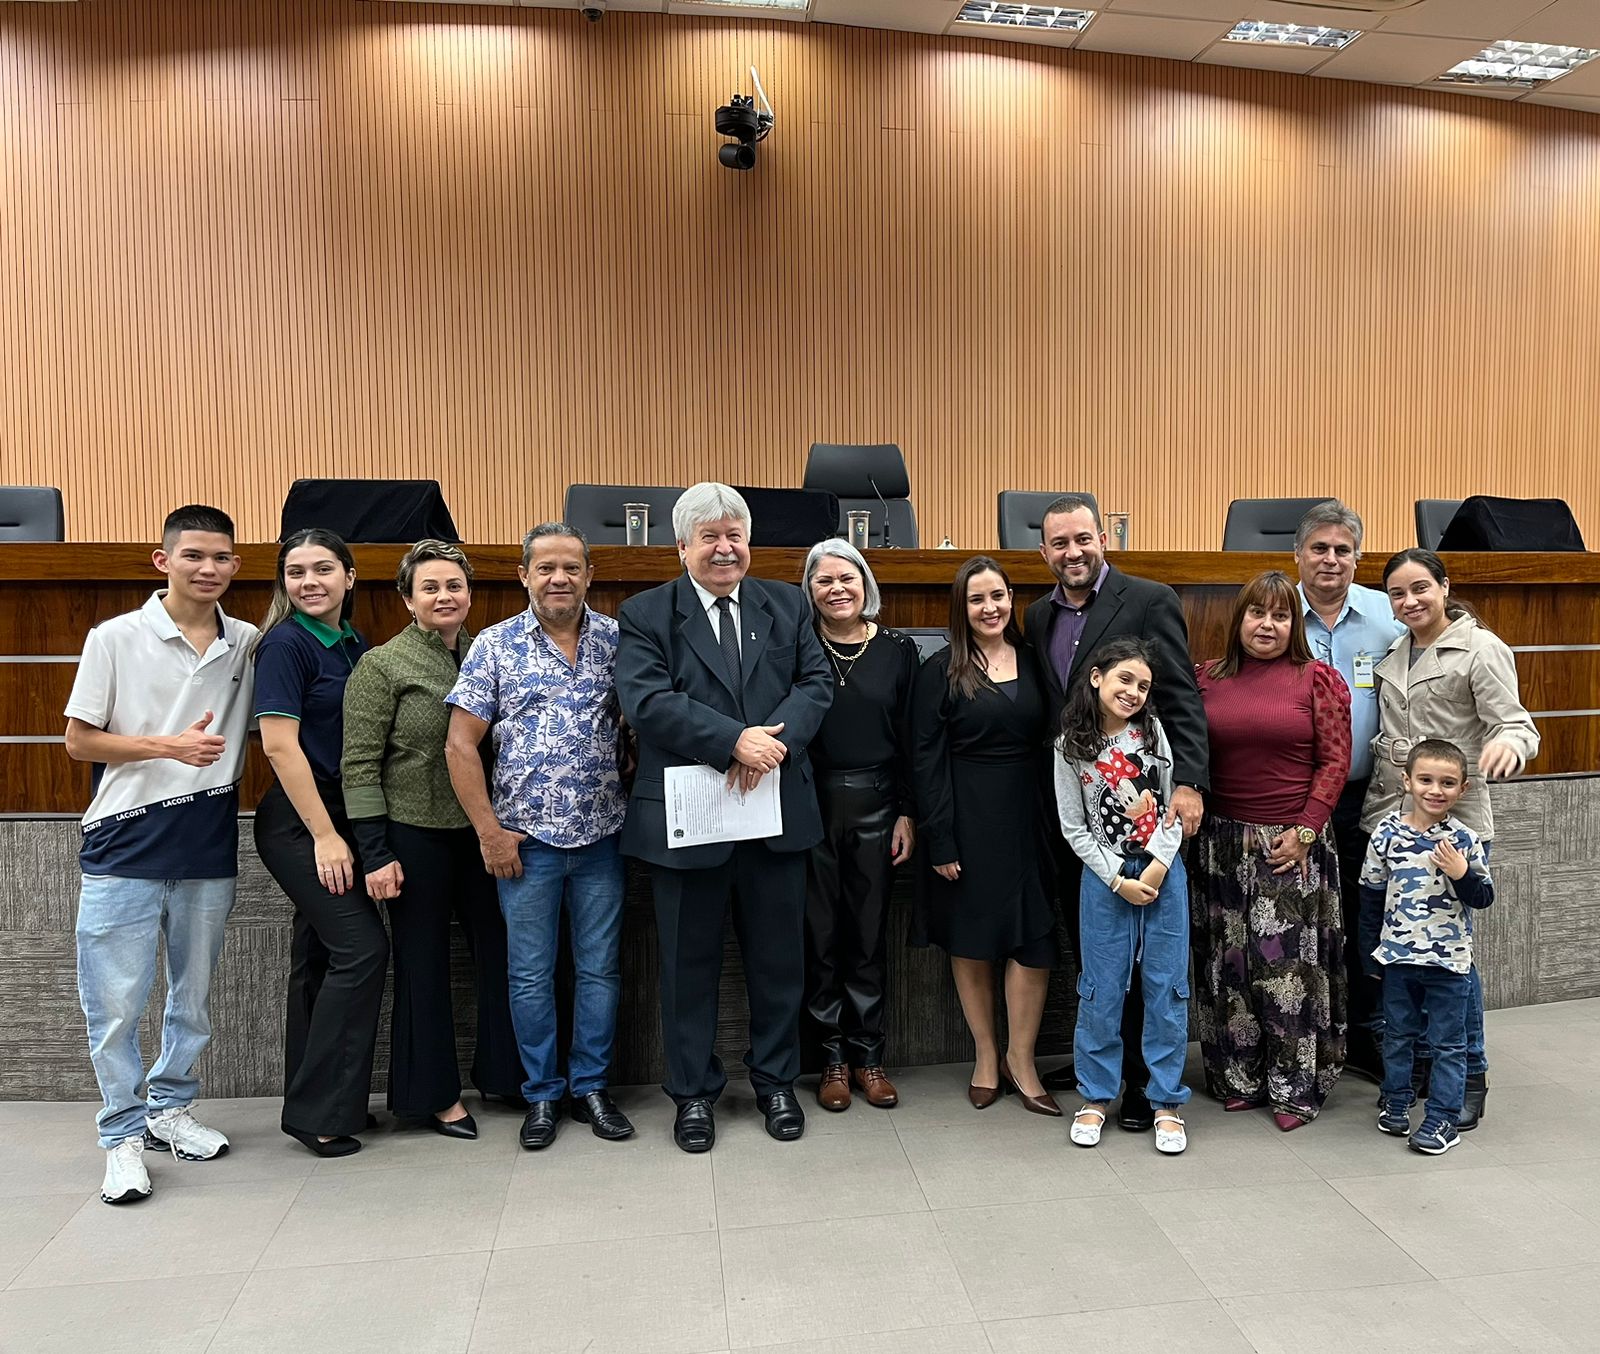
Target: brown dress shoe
{"points": [[981, 1097], [833, 1092], [877, 1088]]}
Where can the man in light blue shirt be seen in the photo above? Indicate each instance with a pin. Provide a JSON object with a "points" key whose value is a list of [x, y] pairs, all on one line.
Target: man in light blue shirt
{"points": [[1349, 627]]}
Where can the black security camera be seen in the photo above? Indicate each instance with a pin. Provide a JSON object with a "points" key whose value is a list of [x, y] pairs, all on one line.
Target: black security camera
{"points": [[741, 120]]}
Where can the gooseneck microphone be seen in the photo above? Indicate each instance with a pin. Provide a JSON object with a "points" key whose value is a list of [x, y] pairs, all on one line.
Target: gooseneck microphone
{"points": [[881, 499]]}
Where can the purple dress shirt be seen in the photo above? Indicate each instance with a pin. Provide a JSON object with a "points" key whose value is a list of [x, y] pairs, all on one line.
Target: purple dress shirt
{"points": [[1067, 629]]}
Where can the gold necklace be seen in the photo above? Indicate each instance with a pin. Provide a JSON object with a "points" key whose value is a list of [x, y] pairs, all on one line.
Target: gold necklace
{"points": [[848, 661]]}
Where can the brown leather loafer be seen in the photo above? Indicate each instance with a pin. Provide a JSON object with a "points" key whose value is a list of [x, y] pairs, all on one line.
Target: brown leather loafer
{"points": [[833, 1092], [877, 1088]]}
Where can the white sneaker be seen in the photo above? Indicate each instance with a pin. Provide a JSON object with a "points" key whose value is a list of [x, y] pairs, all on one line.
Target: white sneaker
{"points": [[179, 1132], [1171, 1137], [126, 1180]]}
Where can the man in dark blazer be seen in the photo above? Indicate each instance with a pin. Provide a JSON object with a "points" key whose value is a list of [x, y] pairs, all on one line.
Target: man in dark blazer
{"points": [[722, 670], [1094, 602]]}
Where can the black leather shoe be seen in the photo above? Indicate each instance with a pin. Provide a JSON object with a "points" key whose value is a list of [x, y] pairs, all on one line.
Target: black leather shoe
{"points": [[598, 1111], [695, 1128], [1472, 1103], [539, 1127], [465, 1128], [1134, 1114], [786, 1121]]}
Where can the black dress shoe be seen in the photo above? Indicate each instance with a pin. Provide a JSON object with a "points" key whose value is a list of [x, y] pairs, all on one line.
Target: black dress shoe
{"points": [[342, 1146], [1134, 1113], [786, 1121], [695, 1128], [1472, 1103], [598, 1111], [539, 1127], [465, 1128]]}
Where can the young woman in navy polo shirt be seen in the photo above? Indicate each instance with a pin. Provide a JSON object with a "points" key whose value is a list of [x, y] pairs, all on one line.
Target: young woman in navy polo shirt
{"points": [[340, 950]]}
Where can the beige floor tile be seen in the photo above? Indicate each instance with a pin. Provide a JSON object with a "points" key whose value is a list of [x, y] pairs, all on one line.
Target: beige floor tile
{"points": [[760, 1183], [1474, 1222], [370, 1308], [175, 1233], [1576, 1184], [964, 1339], [646, 1295], [1532, 1124], [633, 1189], [1421, 1318], [1198, 1327], [1278, 1239], [781, 1280], [1006, 1161], [1546, 1310], [1224, 1150], [26, 1226], [135, 1317], [381, 1215], [1344, 1142], [1065, 1255]]}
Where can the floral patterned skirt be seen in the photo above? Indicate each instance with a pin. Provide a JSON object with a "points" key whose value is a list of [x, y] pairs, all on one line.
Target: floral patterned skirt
{"points": [[1270, 985]]}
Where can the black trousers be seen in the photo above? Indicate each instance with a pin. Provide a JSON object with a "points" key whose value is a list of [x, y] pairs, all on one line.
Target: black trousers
{"points": [[337, 961], [1350, 844], [444, 874], [768, 892], [1069, 875], [848, 878]]}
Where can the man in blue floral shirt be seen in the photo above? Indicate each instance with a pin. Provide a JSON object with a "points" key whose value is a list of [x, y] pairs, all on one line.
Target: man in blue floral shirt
{"points": [[542, 684]]}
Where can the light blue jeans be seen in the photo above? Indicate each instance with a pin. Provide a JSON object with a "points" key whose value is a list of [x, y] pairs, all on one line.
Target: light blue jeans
{"points": [[1112, 935], [120, 922], [588, 881]]}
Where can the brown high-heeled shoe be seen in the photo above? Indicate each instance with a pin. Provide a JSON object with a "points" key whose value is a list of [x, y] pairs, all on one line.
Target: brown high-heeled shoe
{"points": [[981, 1097], [1040, 1104]]}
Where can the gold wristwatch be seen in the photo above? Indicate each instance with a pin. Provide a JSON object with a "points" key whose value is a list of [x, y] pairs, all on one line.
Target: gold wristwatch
{"points": [[1307, 835]]}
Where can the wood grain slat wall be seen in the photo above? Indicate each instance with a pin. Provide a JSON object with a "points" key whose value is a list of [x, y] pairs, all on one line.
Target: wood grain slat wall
{"points": [[245, 242]]}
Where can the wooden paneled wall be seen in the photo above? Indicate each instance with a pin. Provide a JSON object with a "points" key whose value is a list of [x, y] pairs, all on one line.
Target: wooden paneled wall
{"points": [[249, 241]]}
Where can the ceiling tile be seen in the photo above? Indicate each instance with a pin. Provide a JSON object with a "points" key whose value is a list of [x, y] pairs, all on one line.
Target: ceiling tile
{"points": [[1583, 103], [715, 11], [1502, 92], [1391, 59], [645, 6], [1230, 11], [1572, 23], [1176, 39], [911, 16], [1037, 37], [1486, 20], [1306, 15], [1265, 56]]}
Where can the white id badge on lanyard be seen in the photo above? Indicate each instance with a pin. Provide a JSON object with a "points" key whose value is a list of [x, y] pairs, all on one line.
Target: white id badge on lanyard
{"points": [[1363, 671]]}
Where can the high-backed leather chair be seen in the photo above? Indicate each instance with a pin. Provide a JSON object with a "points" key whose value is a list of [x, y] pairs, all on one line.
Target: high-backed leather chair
{"points": [[858, 474], [1433, 516], [596, 510], [31, 512], [1021, 513], [1265, 523]]}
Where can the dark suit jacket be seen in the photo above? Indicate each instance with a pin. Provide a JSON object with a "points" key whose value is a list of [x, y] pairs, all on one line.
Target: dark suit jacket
{"points": [[1137, 606], [676, 693]]}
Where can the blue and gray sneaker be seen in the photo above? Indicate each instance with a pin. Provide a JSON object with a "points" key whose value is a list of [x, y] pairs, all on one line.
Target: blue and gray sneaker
{"points": [[1394, 1117], [1436, 1136]]}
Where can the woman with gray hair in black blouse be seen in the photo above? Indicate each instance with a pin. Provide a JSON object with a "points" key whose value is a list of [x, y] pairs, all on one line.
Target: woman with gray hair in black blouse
{"points": [[862, 759]]}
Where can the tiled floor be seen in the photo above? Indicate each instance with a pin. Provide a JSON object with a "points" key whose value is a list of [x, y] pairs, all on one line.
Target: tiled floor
{"points": [[930, 1228]]}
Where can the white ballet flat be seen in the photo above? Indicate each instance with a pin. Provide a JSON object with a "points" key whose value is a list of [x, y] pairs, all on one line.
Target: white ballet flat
{"points": [[1087, 1135], [1170, 1140]]}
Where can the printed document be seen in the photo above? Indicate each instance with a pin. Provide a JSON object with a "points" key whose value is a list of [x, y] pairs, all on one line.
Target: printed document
{"points": [[701, 808]]}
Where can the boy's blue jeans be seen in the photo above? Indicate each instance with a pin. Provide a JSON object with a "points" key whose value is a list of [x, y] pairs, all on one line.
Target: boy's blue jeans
{"points": [[1112, 935], [120, 922], [1409, 990]]}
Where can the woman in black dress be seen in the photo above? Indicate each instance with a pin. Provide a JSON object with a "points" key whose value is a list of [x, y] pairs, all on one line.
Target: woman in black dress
{"points": [[863, 776], [979, 720]]}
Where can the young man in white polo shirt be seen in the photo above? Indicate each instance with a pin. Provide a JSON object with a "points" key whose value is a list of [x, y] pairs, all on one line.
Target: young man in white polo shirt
{"points": [[161, 705]]}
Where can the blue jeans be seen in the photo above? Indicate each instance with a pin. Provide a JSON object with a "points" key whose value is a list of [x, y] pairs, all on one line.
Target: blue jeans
{"points": [[1112, 935], [588, 880], [1425, 1001], [120, 922]]}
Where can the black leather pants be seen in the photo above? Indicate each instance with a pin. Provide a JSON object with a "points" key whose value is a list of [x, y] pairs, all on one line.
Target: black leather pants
{"points": [[848, 877]]}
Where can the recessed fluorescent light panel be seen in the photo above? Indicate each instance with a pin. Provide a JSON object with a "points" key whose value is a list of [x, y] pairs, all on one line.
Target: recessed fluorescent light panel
{"points": [[1291, 35], [1522, 65], [1024, 16], [751, 4]]}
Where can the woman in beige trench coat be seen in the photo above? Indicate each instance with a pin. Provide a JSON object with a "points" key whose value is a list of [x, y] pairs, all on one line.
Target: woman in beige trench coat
{"points": [[1446, 677]]}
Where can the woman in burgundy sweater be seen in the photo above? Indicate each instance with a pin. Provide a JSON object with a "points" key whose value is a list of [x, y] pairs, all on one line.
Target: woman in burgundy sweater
{"points": [[1269, 941]]}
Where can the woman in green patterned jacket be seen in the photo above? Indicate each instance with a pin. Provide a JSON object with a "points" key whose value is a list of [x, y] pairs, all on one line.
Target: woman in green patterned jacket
{"points": [[420, 853]]}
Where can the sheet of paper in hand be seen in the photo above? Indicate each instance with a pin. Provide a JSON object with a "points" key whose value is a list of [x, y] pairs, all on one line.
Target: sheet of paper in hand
{"points": [[701, 808]]}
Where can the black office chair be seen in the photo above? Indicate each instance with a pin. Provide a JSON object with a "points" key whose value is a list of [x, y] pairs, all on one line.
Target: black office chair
{"points": [[858, 474], [1265, 523], [929, 639], [1021, 511], [366, 512], [596, 510], [31, 512], [1433, 516]]}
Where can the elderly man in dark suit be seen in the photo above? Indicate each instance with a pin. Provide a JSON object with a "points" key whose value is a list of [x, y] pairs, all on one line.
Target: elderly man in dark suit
{"points": [[722, 670], [1094, 602]]}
